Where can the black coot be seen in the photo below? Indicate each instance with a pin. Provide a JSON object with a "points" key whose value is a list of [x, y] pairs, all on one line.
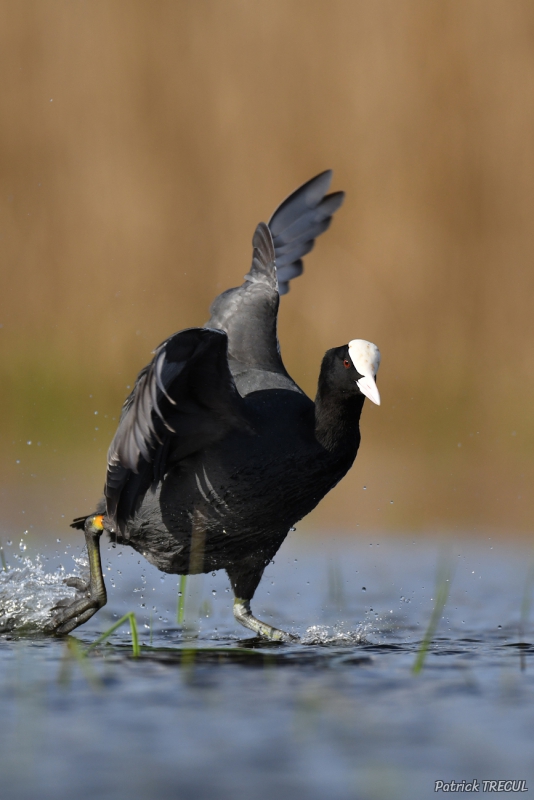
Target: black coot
{"points": [[218, 452]]}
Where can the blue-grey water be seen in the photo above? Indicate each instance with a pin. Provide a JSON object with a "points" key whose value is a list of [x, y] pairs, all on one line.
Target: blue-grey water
{"points": [[208, 712]]}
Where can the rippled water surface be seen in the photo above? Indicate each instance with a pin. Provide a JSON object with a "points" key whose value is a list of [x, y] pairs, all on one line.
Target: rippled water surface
{"points": [[207, 712]]}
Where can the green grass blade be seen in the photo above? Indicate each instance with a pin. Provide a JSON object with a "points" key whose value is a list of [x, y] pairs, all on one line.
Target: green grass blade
{"points": [[180, 609], [443, 582], [3, 557], [130, 617], [135, 636]]}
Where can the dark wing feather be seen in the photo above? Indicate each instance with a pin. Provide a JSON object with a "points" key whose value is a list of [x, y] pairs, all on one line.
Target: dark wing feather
{"points": [[249, 312], [298, 221], [183, 401]]}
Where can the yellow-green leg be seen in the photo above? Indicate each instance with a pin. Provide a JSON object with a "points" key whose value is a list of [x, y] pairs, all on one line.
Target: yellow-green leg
{"points": [[69, 614]]}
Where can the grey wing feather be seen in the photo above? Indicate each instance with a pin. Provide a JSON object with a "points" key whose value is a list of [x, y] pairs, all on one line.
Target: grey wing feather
{"points": [[263, 268], [249, 312]]}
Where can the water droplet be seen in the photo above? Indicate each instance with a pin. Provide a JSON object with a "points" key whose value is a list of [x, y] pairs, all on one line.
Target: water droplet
{"points": [[58, 540], [364, 589], [292, 529], [213, 591], [29, 441], [9, 542], [391, 502], [213, 574], [22, 546], [365, 487]]}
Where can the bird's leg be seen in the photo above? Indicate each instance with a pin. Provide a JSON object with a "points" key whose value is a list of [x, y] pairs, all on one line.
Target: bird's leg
{"points": [[67, 616], [244, 615], [245, 578]]}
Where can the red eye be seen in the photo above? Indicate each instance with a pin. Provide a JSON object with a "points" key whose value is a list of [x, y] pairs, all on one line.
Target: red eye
{"points": [[346, 363]]}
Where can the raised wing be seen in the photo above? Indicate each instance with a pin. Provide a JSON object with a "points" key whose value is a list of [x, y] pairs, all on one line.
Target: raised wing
{"points": [[248, 313], [184, 400]]}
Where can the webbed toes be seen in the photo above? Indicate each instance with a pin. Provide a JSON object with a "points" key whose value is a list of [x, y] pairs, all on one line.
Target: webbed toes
{"points": [[68, 614], [68, 625]]}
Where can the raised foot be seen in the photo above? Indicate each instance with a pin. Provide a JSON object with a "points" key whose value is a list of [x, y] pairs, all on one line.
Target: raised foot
{"points": [[244, 616], [69, 614]]}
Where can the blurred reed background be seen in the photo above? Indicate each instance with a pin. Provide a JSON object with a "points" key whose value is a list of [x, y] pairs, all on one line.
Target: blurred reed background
{"points": [[140, 143]]}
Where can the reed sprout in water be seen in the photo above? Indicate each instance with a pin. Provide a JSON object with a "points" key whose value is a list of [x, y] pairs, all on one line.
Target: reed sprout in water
{"points": [[3, 557], [130, 617], [443, 582], [180, 608]]}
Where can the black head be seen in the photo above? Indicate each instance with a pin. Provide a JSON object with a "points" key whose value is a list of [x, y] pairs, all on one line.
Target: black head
{"points": [[351, 369]]}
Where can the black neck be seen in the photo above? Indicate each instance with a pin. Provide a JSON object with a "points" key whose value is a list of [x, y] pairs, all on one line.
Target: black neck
{"points": [[337, 420]]}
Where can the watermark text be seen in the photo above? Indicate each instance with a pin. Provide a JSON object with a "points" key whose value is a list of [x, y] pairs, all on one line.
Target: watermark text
{"points": [[480, 786]]}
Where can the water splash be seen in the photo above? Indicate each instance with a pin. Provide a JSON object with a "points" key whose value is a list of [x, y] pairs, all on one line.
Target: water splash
{"points": [[28, 593], [336, 634]]}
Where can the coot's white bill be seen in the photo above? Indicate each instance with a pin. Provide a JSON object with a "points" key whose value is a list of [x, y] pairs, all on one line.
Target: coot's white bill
{"points": [[368, 387]]}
